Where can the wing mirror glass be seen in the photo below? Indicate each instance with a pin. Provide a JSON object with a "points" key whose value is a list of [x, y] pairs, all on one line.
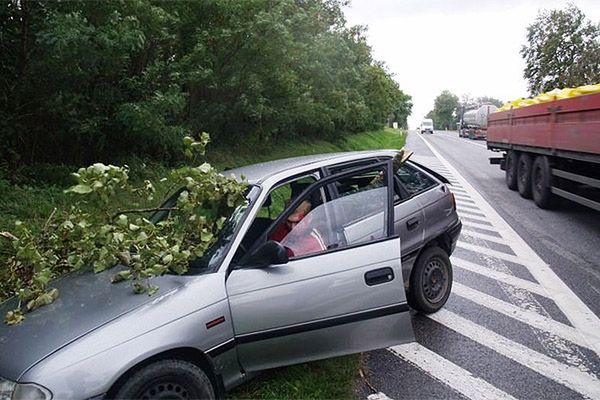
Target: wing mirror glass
{"points": [[269, 253]]}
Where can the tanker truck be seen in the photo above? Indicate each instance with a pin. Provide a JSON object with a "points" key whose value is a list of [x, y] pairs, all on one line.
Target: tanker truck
{"points": [[550, 150], [474, 122]]}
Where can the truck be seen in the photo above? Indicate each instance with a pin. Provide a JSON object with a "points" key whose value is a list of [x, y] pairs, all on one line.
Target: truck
{"points": [[426, 126], [474, 122], [550, 150]]}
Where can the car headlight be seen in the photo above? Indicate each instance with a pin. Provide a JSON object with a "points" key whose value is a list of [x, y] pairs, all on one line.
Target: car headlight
{"points": [[22, 391]]}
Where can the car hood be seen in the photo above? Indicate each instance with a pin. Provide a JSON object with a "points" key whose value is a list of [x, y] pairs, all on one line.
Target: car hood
{"points": [[86, 302]]}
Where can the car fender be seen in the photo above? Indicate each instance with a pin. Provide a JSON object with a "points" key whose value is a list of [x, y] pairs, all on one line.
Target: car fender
{"points": [[196, 316]]}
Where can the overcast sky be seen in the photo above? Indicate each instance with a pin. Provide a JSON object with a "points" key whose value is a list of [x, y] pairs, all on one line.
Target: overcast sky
{"points": [[465, 46]]}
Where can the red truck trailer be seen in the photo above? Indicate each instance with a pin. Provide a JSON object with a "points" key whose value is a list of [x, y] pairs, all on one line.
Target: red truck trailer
{"points": [[550, 149]]}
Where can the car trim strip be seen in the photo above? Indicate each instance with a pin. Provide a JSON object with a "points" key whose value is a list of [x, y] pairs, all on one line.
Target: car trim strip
{"points": [[322, 324], [221, 348], [307, 327]]}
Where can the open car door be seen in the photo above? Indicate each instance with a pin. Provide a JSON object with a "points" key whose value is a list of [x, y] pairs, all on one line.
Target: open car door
{"points": [[340, 292]]}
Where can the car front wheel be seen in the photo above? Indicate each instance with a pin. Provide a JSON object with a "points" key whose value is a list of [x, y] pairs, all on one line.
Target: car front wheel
{"points": [[430, 281], [168, 379]]}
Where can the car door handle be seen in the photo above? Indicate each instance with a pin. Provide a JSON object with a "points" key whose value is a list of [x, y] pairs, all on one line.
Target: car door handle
{"points": [[379, 276], [412, 223]]}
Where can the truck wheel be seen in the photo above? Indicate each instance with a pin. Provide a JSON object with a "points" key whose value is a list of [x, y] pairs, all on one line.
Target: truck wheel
{"points": [[430, 281], [168, 379], [511, 169], [541, 183], [524, 175]]}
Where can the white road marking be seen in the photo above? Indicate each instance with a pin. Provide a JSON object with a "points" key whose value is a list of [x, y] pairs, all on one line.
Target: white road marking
{"points": [[483, 236], [500, 276], [477, 225], [569, 376], [449, 373], [475, 219], [460, 200], [490, 252], [572, 306], [465, 140], [378, 396], [467, 206], [528, 317]]}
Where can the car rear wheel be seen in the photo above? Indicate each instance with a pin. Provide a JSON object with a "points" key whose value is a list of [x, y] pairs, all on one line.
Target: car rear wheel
{"points": [[168, 379], [524, 175], [430, 281], [511, 170]]}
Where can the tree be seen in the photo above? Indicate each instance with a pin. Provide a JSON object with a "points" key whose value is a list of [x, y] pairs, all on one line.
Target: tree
{"points": [[489, 100], [563, 50], [402, 111], [445, 109]]}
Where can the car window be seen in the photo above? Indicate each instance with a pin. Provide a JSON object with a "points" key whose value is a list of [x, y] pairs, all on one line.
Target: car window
{"points": [[279, 197], [413, 180], [274, 204], [357, 216]]}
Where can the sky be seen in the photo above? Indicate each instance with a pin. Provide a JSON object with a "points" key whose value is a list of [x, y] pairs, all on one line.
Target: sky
{"points": [[469, 47]]}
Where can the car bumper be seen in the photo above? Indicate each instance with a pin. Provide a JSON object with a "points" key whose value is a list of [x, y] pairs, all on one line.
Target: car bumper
{"points": [[454, 233]]}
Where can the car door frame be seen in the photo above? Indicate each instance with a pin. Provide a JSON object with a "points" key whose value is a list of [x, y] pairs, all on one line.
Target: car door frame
{"points": [[402, 324]]}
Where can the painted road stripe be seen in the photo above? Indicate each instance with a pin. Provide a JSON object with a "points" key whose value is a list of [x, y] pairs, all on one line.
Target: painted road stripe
{"points": [[473, 213], [378, 396], [468, 206], [571, 377], [477, 225], [483, 236], [494, 253], [500, 276], [464, 201], [578, 313], [449, 373], [528, 317], [475, 220]]}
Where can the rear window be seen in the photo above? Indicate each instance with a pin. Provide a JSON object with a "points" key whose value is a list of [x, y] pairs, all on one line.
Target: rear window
{"points": [[413, 180]]}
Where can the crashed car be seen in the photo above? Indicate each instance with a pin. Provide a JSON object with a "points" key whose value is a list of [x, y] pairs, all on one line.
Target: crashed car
{"points": [[371, 241]]}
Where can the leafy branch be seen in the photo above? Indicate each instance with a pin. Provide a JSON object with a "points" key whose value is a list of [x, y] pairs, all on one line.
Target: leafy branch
{"points": [[74, 239]]}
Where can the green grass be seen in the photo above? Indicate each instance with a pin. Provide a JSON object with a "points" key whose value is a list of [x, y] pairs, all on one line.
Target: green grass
{"points": [[328, 379], [244, 155], [32, 200]]}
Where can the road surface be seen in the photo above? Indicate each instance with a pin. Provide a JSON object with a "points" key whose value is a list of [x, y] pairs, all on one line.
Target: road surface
{"points": [[522, 321]]}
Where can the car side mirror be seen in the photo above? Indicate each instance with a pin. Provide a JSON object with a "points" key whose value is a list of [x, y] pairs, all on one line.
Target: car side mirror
{"points": [[269, 253]]}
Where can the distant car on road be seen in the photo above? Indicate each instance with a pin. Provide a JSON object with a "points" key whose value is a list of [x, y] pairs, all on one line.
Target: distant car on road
{"points": [[251, 303], [426, 126]]}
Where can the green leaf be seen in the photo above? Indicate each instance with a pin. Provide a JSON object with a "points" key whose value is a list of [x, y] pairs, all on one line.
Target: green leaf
{"points": [[121, 276], [79, 189], [14, 317]]}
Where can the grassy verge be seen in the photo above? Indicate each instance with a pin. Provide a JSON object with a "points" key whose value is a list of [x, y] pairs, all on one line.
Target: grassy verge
{"points": [[32, 201], [328, 379]]}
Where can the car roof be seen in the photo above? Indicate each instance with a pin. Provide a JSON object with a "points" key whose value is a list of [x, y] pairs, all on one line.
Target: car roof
{"points": [[257, 173]]}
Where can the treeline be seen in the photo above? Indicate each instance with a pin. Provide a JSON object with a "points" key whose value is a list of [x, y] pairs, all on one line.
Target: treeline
{"points": [[85, 81], [448, 109]]}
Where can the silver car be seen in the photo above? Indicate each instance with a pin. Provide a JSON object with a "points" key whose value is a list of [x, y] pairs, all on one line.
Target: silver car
{"points": [[373, 241]]}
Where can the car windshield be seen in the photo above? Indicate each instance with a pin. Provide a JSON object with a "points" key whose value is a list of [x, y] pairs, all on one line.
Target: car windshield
{"points": [[427, 123], [213, 256]]}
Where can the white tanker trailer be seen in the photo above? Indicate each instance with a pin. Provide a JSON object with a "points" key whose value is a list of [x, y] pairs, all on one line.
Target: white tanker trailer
{"points": [[474, 122]]}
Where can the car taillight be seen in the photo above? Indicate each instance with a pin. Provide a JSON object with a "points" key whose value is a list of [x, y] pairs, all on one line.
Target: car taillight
{"points": [[453, 201]]}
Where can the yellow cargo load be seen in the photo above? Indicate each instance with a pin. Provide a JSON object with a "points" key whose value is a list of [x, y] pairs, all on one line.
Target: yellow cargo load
{"points": [[552, 95]]}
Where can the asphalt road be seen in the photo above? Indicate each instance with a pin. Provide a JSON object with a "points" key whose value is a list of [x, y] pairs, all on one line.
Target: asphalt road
{"points": [[522, 321]]}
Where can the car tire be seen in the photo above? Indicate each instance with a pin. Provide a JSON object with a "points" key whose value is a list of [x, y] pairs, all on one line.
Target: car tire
{"points": [[524, 175], [168, 379], [512, 158], [430, 281], [541, 183]]}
